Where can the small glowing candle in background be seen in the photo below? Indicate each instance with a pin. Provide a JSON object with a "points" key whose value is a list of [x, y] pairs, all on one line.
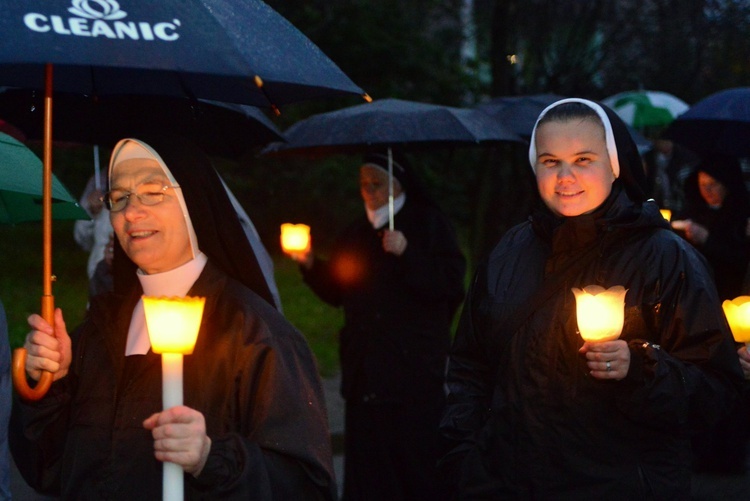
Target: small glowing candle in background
{"points": [[173, 324], [600, 312], [666, 214], [737, 312], [295, 237]]}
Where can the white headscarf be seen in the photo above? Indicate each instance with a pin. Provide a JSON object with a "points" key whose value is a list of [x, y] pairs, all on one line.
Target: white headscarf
{"points": [[608, 133]]}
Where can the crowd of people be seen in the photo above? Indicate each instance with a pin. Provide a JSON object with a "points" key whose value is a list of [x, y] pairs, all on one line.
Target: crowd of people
{"points": [[512, 405]]}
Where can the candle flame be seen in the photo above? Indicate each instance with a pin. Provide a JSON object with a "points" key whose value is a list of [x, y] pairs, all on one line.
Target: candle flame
{"points": [[737, 312], [173, 322], [600, 312]]}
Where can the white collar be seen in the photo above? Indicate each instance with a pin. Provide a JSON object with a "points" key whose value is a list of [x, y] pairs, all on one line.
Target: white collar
{"points": [[379, 217], [176, 282]]}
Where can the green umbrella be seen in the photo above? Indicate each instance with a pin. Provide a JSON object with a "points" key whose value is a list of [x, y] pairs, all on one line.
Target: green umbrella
{"points": [[21, 187], [646, 108]]}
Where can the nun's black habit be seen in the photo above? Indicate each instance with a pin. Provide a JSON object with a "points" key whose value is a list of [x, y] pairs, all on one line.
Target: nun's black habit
{"points": [[525, 419], [251, 375]]}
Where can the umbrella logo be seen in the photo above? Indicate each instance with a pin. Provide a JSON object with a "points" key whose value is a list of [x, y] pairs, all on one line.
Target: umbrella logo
{"points": [[101, 18], [97, 9]]}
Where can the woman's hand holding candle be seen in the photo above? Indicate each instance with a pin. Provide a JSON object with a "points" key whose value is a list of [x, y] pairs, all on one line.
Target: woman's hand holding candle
{"points": [[744, 355], [180, 437], [607, 359]]}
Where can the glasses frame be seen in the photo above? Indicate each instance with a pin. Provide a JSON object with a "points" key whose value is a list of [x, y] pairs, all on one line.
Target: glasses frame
{"points": [[107, 200]]}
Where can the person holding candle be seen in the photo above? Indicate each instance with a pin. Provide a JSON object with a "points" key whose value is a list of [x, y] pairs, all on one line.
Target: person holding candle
{"points": [[716, 213], [254, 423], [535, 412], [399, 290]]}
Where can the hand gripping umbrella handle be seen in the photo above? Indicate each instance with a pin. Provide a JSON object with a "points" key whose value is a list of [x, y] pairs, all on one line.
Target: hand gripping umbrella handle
{"points": [[19, 362]]}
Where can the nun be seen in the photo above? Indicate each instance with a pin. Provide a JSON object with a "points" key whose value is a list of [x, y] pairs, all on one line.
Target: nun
{"points": [[399, 287], [533, 411], [253, 425]]}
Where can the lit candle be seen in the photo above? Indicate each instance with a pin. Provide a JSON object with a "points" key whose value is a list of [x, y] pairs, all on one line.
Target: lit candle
{"points": [[666, 214], [173, 324], [600, 312], [737, 312], [294, 237]]}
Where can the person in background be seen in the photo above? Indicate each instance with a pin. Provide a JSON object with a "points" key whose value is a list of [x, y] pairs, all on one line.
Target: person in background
{"points": [[667, 166], [714, 220], [93, 235], [535, 412], [254, 423], [5, 405], [399, 290]]}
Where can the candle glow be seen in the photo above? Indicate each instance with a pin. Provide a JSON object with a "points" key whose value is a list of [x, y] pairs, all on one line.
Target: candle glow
{"points": [[666, 214], [600, 312], [737, 312], [173, 323], [295, 237]]}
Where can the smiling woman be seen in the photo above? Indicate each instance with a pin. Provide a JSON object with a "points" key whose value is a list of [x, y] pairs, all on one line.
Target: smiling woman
{"points": [[253, 423], [599, 418]]}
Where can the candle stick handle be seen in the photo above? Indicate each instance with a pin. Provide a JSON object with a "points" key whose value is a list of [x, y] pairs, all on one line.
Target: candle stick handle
{"points": [[173, 487]]}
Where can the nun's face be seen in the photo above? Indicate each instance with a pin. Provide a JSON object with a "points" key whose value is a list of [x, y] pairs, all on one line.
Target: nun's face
{"points": [[155, 237], [712, 190], [373, 185], [573, 171]]}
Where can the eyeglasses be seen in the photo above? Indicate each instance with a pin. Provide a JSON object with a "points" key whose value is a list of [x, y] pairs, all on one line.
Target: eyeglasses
{"points": [[150, 194]]}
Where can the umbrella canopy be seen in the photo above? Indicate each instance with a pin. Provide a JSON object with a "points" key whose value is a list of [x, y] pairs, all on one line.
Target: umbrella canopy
{"points": [[21, 187], [643, 109], [519, 113], [242, 52], [719, 123], [219, 128], [388, 123]]}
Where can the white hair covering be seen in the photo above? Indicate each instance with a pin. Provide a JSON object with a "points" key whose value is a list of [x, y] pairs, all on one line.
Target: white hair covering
{"points": [[608, 133]]}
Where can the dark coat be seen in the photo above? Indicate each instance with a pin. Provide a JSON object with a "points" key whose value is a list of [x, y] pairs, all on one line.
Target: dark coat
{"points": [[251, 375], [398, 309], [525, 419]]}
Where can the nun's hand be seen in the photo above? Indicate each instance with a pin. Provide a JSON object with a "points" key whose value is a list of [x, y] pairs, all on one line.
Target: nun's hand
{"points": [[696, 233], [607, 359], [394, 242], [180, 437], [47, 348], [744, 361], [304, 257]]}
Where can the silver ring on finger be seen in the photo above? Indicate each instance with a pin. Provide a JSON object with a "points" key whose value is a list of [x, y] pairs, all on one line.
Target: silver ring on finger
{"points": [[609, 366]]}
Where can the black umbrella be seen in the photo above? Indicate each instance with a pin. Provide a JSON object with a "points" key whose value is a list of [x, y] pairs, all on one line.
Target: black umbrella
{"points": [[519, 113], [388, 123], [719, 123], [219, 128], [225, 50]]}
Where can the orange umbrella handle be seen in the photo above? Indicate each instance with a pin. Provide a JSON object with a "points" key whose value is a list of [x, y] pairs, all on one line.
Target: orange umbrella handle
{"points": [[19, 378], [19, 361]]}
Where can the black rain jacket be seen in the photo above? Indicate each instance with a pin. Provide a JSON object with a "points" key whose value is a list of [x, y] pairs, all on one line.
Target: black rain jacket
{"points": [[525, 419]]}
